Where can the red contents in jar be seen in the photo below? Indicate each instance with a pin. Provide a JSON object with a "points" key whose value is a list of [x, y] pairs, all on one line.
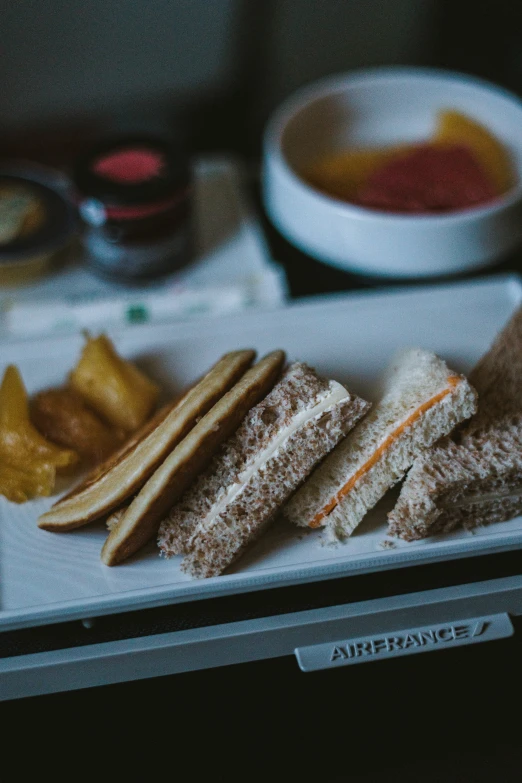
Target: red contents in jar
{"points": [[429, 178], [131, 165]]}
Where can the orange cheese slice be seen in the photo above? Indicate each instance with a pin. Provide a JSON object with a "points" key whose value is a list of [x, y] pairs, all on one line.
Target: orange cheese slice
{"points": [[317, 521]]}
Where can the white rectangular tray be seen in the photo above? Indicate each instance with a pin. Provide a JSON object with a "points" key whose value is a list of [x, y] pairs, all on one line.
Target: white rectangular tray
{"points": [[48, 577]]}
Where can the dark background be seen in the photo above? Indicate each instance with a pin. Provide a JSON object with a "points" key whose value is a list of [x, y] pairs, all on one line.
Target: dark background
{"points": [[211, 71]]}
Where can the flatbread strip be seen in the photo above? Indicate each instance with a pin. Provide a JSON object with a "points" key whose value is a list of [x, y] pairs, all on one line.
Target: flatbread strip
{"points": [[125, 473], [140, 521], [117, 456]]}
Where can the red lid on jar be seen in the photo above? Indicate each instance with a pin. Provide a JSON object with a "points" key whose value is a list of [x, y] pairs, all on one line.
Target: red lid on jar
{"points": [[131, 171]]}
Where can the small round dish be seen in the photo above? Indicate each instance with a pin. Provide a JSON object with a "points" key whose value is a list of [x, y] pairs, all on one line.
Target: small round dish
{"points": [[376, 108], [29, 253]]}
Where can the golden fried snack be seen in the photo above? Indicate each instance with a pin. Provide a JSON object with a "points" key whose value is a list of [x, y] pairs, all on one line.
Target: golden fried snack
{"points": [[28, 462], [127, 471], [140, 521], [63, 416], [19, 484], [113, 386]]}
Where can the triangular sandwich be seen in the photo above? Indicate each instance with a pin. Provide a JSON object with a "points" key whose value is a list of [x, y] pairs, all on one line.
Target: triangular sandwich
{"points": [[258, 468], [473, 477], [422, 401]]}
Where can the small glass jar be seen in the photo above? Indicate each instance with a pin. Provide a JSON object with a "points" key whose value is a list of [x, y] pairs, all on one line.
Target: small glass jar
{"points": [[135, 197]]}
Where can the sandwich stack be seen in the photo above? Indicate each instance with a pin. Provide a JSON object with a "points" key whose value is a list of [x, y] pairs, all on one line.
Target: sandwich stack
{"points": [[422, 401], [473, 477], [213, 470]]}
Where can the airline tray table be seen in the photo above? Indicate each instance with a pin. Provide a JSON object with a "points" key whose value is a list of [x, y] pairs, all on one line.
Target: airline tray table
{"points": [[291, 596]]}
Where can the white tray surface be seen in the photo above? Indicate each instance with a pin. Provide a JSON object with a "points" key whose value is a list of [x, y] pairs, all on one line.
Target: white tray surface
{"points": [[47, 577]]}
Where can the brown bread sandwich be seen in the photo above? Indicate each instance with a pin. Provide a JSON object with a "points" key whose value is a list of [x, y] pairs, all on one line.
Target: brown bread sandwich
{"points": [[473, 477], [238, 496]]}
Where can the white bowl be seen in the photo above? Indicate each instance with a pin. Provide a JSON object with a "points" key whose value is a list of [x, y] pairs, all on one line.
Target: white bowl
{"points": [[374, 108]]}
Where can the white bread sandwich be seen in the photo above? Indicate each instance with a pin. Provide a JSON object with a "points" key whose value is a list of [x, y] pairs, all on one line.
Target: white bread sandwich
{"points": [[473, 477], [422, 401], [257, 469]]}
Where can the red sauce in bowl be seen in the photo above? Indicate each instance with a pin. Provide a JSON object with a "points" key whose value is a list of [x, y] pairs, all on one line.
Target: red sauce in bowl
{"points": [[428, 179]]}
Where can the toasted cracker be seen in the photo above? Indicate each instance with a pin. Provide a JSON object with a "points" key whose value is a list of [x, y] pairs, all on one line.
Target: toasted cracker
{"points": [[126, 472], [141, 519]]}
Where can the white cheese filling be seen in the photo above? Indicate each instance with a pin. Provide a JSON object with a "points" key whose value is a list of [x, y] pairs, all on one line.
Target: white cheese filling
{"points": [[336, 394]]}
